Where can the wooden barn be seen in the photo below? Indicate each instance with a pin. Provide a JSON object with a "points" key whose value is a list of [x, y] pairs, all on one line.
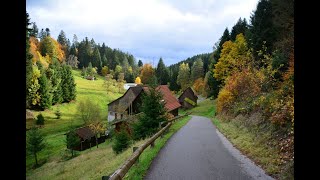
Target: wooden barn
{"points": [[188, 99], [126, 105], [125, 108], [87, 138]]}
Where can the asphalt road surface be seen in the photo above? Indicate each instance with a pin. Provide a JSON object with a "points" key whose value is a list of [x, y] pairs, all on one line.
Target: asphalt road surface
{"points": [[198, 151]]}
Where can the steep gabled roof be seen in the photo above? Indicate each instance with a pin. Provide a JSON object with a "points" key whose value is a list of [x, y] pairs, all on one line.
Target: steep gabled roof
{"points": [[128, 97], [189, 89], [171, 101]]}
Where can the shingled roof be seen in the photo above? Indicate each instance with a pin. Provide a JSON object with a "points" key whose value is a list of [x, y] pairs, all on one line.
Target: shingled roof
{"points": [[171, 101], [85, 133], [128, 97]]}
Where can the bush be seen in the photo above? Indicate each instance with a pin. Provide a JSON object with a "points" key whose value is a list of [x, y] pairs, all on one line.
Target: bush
{"points": [[40, 119], [58, 113], [224, 100], [121, 142]]}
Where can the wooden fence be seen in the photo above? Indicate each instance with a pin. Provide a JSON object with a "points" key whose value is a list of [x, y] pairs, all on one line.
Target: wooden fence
{"points": [[121, 172]]}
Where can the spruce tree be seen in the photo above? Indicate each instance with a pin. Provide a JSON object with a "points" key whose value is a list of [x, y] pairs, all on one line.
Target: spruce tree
{"points": [[35, 142], [29, 70], [225, 37], [67, 84], [162, 73], [96, 59], [262, 31], [153, 113], [44, 91], [240, 27], [140, 64]]}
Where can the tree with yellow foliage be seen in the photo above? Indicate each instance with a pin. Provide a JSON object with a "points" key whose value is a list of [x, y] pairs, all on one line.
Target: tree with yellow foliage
{"points": [[138, 80], [147, 72], [234, 57]]}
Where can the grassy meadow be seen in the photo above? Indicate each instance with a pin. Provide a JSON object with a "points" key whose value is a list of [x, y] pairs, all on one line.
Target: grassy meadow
{"points": [[54, 129]]}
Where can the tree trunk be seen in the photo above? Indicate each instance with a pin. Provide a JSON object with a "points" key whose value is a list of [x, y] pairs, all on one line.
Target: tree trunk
{"points": [[35, 156], [96, 141]]}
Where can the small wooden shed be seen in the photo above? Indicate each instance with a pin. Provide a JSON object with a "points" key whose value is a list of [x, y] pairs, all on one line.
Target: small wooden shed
{"points": [[87, 138], [188, 99]]}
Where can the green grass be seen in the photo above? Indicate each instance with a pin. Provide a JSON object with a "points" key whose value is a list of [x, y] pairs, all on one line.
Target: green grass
{"points": [[54, 129], [139, 170], [96, 162], [204, 108], [90, 164], [255, 144]]}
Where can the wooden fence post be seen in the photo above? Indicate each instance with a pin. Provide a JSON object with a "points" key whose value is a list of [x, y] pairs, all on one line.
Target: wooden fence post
{"points": [[133, 150]]}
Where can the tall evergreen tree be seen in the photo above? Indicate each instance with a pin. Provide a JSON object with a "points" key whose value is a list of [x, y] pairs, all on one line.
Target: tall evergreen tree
{"points": [[162, 73], [140, 64], [34, 30], [75, 40], [104, 60], [96, 59], [262, 31], [56, 81], [44, 91], [35, 142], [73, 50], [47, 32], [29, 70], [42, 34], [240, 27], [173, 74], [225, 37], [62, 39], [68, 84], [153, 113]]}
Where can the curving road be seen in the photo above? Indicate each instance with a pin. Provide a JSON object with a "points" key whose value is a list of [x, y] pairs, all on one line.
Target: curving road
{"points": [[198, 151]]}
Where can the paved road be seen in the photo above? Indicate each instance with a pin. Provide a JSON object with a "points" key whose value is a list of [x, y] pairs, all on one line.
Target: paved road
{"points": [[197, 151]]}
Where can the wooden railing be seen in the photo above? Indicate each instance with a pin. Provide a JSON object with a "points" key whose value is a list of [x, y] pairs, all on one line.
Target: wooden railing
{"points": [[121, 172]]}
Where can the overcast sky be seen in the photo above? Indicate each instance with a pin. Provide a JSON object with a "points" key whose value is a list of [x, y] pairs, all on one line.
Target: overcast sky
{"points": [[147, 29]]}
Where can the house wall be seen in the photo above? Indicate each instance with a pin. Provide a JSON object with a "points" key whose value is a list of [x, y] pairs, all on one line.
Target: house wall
{"points": [[175, 112], [187, 105], [111, 116], [189, 94], [86, 144]]}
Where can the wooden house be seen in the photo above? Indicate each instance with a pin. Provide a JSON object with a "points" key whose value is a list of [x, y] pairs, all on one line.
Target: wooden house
{"points": [[188, 99], [124, 109]]}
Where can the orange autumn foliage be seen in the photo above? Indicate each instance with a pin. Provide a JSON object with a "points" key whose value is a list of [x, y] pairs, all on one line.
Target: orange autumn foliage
{"points": [[198, 85]]}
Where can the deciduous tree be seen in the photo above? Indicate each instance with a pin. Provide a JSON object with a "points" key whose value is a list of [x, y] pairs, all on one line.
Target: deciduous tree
{"points": [[184, 76]]}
